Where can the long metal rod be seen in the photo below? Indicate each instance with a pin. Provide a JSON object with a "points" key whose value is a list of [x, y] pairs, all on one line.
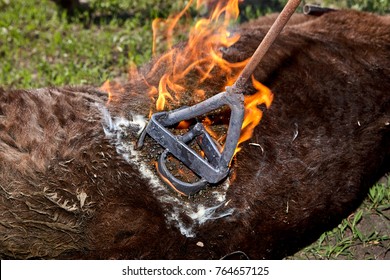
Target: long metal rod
{"points": [[262, 49]]}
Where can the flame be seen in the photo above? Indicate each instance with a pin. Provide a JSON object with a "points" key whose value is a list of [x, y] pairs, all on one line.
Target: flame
{"points": [[253, 114], [107, 88], [183, 125], [112, 87], [202, 55]]}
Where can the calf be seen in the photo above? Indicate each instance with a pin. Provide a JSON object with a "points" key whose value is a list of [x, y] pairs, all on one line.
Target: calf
{"points": [[73, 186]]}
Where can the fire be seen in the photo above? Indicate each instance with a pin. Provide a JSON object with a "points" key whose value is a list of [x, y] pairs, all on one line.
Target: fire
{"points": [[253, 114], [202, 55], [106, 87], [111, 87]]}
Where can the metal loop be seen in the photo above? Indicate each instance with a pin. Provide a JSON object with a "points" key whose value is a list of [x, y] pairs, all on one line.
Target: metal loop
{"points": [[176, 184]]}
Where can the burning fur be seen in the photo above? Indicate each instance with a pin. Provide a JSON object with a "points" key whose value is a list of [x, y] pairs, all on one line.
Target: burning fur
{"points": [[72, 184]]}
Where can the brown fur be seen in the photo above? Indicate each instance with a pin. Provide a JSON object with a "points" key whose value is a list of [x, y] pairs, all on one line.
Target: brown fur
{"points": [[66, 191]]}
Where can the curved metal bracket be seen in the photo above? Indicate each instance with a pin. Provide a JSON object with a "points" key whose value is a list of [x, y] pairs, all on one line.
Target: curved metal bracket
{"points": [[176, 184]]}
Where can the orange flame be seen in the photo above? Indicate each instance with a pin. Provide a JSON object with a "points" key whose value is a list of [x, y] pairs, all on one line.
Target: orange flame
{"points": [[107, 88], [113, 89], [202, 55], [253, 114]]}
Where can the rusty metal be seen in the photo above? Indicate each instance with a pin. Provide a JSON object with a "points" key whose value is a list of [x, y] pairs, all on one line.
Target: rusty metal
{"points": [[265, 44], [214, 166]]}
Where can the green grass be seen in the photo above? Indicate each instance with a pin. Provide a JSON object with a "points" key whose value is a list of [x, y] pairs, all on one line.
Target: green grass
{"points": [[40, 46], [365, 234]]}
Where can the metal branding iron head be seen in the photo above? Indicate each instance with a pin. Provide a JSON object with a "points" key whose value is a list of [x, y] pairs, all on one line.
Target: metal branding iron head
{"points": [[214, 166]]}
